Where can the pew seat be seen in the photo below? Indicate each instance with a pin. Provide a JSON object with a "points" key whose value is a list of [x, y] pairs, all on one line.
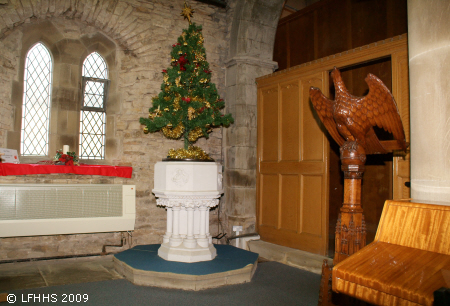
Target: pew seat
{"points": [[408, 260]]}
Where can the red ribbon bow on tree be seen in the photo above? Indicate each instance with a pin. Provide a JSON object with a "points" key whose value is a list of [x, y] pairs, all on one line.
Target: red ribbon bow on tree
{"points": [[182, 61]]}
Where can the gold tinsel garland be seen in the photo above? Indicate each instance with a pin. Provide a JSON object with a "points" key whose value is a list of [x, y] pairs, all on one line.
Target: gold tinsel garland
{"points": [[195, 134], [192, 153], [176, 103], [173, 133]]}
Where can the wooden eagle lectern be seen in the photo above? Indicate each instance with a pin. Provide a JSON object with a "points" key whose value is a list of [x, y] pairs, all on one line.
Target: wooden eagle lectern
{"points": [[350, 121]]}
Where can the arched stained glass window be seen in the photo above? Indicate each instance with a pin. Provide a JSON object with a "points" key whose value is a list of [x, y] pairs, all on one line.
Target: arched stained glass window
{"points": [[93, 108], [36, 101]]}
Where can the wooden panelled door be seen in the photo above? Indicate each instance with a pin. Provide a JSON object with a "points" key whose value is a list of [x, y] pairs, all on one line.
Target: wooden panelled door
{"points": [[293, 150], [293, 169]]}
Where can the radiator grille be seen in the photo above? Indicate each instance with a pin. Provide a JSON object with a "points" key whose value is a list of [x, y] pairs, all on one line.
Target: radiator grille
{"points": [[27, 202]]}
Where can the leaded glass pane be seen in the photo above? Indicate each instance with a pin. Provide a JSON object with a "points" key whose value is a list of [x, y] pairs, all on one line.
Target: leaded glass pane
{"points": [[94, 66], [92, 135], [94, 94], [36, 101], [92, 125]]}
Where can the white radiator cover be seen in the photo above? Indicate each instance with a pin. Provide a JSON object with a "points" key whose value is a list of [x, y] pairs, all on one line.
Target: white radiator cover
{"points": [[50, 209]]}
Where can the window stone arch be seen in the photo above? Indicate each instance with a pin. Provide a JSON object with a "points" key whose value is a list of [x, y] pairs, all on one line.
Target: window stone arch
{"points": [[68, 52]]}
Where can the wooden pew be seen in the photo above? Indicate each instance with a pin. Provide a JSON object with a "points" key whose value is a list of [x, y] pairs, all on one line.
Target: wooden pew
{"points": [[408, 260]]}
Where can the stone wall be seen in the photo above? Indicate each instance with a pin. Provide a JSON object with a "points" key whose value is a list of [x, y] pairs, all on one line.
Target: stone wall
{"points": [[142, 33], [252, 36]]}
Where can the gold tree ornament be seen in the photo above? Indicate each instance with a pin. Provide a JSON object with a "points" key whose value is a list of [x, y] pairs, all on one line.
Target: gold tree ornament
{"points": [[187, 12]]}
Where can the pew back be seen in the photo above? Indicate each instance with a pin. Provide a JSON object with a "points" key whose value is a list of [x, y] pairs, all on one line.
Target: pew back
{"points": [[415, 225], [408, 260]]}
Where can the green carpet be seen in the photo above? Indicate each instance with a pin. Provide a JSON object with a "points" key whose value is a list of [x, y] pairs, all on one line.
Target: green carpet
{"points": [[272, 284]]}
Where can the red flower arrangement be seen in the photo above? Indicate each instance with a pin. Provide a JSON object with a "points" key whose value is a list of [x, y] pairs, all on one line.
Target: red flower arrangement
{"points": [[68, 159]]}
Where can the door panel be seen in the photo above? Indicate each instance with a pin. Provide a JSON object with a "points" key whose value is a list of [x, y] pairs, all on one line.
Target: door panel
{"points": [[290, 189], [290, 149], [312, 213], [270, 117], [270, 195], [292, 172]]}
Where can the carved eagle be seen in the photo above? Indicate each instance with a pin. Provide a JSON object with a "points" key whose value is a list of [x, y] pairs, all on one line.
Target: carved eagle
{"points": [[351, 118]]}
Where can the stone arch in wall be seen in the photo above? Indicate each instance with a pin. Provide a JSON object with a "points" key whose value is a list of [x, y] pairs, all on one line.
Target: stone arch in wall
{"points": [[104, 15], [123, 24], [68, 53], [250, 55], [39, 21], [254, 27]]}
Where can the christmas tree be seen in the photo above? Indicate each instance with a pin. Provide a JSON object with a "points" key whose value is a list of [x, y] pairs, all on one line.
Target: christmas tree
{"points": [[188, 105]]}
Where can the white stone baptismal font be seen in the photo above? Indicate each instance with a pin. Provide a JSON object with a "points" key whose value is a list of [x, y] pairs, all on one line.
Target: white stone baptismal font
{"points": [[188, 190]]}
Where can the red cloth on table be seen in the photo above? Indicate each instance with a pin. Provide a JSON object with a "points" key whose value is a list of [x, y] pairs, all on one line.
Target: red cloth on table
{"points": [[24, 169]]}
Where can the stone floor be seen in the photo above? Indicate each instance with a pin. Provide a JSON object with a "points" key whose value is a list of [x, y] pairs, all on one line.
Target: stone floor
{"points": [[46, 273]]}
